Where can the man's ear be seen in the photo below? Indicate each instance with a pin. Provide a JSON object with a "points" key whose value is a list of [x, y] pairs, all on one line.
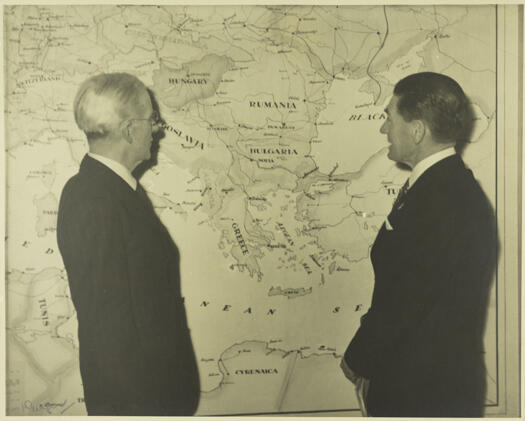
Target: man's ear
{"points": [[418, 129], [126, 130]]}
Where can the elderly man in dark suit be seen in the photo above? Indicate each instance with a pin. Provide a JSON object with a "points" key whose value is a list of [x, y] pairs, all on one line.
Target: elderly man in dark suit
{"points": [[419, 349], [136, 354]]}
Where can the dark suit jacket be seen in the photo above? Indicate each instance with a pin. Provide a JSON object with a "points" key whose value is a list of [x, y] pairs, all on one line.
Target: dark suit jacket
{"points": [[136, 354], [421, 342]]}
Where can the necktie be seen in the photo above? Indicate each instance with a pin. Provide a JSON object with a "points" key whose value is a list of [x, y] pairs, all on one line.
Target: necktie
{"points": [[399, 202]]}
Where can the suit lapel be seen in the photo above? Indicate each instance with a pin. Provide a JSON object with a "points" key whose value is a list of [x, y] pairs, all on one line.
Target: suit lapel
{"points": [[428, 183], [136, 202]]}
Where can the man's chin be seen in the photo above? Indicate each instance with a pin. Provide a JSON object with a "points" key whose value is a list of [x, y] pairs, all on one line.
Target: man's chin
{"points": [[145, 157], [395, 159]]}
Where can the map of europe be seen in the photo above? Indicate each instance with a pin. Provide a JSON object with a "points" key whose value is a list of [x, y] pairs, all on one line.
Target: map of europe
{"points": [[272, 179]]}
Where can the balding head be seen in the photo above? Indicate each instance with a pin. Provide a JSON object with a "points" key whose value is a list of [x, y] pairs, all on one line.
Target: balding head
{"points": [[105, 100]]}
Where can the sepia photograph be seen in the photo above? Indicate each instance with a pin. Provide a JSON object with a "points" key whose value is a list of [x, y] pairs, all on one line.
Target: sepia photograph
{"points": [[262, 209]]}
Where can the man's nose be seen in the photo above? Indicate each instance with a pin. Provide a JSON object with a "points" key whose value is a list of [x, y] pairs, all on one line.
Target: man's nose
{"points": [[383, 129]]}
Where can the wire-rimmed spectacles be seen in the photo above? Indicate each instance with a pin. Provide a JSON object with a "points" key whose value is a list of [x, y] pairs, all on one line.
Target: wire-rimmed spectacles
{"points": [[154, 119]]}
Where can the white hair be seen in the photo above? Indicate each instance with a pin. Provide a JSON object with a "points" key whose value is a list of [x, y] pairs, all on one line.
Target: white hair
{"points": [[104, 100]]}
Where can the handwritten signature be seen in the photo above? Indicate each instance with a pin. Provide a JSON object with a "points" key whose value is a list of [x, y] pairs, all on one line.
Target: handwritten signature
{"points": [[45, 406]]}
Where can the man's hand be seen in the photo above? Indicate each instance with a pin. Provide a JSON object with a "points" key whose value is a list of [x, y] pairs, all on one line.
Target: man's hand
{"points": [[349, 374], [361, 390], [361, 386]]}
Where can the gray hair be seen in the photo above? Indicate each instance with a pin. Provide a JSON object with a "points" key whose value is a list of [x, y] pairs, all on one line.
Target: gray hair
{"points": [[102, 102]]}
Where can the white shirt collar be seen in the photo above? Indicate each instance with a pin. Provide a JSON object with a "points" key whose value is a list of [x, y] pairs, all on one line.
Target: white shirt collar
{"points": [[117, 168], [426, 163]]}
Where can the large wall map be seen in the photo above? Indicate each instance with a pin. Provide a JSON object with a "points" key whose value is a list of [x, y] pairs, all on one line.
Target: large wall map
{"points": [[272, 178]]}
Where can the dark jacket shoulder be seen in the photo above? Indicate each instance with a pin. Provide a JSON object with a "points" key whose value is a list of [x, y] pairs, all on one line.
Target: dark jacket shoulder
{"points": [[94, 179], [449, 188]]}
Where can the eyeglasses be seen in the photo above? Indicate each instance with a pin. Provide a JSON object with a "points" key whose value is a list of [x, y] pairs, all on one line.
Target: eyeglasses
{"points": [[155, 119]]}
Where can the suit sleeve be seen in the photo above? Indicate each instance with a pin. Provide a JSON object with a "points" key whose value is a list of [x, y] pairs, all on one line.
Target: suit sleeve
{"points": [[438, 264], [112, 297]]}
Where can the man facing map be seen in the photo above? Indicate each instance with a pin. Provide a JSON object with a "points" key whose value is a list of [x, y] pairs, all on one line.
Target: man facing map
{"points": [[419, 349], [136, 354]]}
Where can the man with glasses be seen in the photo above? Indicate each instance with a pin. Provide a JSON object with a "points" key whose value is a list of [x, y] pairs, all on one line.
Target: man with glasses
{"points": [[136, 354]]}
